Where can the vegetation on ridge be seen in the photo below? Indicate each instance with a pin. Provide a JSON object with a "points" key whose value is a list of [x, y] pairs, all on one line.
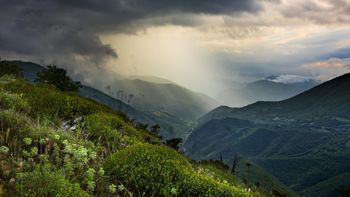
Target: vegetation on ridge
{"points": [[77, 147]]}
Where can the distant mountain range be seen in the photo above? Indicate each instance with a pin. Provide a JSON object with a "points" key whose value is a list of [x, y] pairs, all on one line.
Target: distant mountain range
{"points": [[167, 98], [304, 141], [274, 88]]}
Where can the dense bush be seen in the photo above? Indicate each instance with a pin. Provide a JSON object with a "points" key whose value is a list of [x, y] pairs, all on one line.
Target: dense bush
{"points": [[157, 170], [44, 181], [57, 77], [7, 68], [148, 168]]}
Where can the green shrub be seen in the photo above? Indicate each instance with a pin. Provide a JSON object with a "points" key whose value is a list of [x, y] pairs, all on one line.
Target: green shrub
{"points": [[157, 170], [147, 168], [34, 151], [45, 181], [7, 68], [201, 184], [57, 77]]}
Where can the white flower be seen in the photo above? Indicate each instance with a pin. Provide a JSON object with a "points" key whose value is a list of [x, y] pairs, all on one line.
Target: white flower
{"points": [[112, 188], [4, 149], [57, 137], [27, 141]]}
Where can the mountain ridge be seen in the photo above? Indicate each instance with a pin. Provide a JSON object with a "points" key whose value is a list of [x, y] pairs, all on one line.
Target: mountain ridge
{"points": [[263, 90], [171, 126], [301, 140]]}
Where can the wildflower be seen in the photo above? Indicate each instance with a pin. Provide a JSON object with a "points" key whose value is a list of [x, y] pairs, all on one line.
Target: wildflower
{"points": [[65, 142], [42, 141], [91, 185], [92, 155], [101, 172], [34, 151], [121, 187], [25, 153], [112, 188], [57, 137], [27, 141], [4, 149], [68, 148], [90, 173], [80, 153], [173, 191]]}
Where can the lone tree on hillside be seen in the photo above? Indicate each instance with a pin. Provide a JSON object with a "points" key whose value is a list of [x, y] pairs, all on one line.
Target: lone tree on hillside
{"points": [[58, 77], [174, 143]]}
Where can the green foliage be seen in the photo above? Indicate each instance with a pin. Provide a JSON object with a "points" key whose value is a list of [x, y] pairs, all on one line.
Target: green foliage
{"points": [[46, 181], [147, 168], [57, 77], [7, 68], [51, 103], [112, 132], [158, 170], [105, 129], [36, 151], [174, 143]]}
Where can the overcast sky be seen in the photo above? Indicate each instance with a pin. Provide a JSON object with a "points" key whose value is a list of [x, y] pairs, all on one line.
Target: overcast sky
{"points": [[200, 44]]}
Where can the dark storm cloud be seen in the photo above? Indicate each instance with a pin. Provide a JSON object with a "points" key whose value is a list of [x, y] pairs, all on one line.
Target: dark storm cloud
{"points": [[68, 29]]}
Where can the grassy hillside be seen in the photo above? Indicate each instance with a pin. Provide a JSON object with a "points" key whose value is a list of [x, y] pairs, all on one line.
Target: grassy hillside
{"points": [[76, 147], [170, 125]]}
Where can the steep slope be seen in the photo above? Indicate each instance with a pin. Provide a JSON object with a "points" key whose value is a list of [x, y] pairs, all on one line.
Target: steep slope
{"points": [[303, 141], [76, 147], [171, 126]]}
